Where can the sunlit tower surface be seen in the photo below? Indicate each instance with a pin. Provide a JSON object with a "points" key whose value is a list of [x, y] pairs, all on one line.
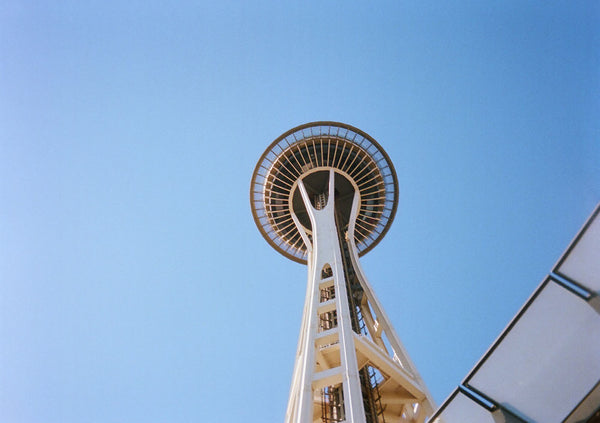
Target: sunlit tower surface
{"points": [[324, 194]]}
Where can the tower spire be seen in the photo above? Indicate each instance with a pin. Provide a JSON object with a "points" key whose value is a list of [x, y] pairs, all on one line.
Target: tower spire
{"points": [[323, 194]]}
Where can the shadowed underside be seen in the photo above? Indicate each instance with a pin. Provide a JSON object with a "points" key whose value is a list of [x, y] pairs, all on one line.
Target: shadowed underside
{"points": [[306, 152]]}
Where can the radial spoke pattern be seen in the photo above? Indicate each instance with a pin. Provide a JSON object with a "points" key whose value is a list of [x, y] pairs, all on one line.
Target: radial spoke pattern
{"points": [[322, 145]]}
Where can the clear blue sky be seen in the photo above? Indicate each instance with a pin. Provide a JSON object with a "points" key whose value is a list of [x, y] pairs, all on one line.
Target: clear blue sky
{"points": [[134, 286]]}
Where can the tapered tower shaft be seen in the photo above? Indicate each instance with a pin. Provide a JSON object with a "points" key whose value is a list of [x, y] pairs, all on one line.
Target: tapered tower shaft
{"points": [[344, 369]]}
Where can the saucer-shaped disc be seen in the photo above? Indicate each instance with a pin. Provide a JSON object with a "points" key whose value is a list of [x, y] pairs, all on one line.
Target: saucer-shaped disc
{"points": [[306, 152]]}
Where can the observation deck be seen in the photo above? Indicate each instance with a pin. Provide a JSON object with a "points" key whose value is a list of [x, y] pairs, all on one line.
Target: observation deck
{"points": [[308, 152]]}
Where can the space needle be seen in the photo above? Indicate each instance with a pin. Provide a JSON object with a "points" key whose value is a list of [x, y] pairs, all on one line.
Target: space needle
{"points": [[324, 194]]}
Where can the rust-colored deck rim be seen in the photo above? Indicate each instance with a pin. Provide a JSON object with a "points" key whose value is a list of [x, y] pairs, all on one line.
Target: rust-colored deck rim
{"points": [[321, 146]]}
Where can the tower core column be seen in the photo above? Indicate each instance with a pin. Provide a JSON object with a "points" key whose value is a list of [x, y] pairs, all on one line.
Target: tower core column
{"points": [[332, 316]]}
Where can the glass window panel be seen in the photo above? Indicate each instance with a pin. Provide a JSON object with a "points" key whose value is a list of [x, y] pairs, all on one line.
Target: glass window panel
{"points": [[463, 409], [582, 264], [548, 361]]}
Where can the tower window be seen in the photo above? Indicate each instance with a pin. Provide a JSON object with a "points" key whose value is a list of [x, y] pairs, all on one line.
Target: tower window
{"points": [[326, 272]]}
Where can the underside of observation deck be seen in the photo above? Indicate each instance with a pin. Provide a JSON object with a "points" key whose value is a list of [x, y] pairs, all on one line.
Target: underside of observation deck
{"points": [[306, 152]]}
